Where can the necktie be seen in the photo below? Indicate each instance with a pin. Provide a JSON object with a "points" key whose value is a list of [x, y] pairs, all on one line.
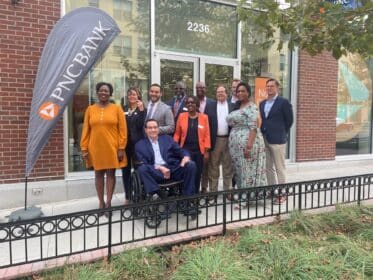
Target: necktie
{"points": [[150, 112], [176, 106]]}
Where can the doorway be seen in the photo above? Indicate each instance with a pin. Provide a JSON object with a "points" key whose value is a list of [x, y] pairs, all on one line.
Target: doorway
{"points": [[170, 68]]}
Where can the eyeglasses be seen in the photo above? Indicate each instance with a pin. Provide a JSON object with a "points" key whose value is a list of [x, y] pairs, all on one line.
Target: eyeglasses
{"points": [[190, 102]]}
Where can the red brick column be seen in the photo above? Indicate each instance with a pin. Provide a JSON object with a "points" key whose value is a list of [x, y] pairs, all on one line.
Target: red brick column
{"points": [[316, 107], [24, 28]]}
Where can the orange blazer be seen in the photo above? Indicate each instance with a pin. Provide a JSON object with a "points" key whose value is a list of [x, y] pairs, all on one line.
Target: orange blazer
{"points": [[203, 131]]}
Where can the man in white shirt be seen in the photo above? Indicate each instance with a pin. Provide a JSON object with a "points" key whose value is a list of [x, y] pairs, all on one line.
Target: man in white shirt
{"points": [[219, 154]]}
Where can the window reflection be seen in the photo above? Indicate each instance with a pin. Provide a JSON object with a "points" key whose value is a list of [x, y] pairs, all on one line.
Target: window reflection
{"points": [[124, 64], [198, 27], [259, 62], [354, 106]]}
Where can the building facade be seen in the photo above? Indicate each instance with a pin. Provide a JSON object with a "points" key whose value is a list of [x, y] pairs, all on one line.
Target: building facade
{"points": [[166, 41]]}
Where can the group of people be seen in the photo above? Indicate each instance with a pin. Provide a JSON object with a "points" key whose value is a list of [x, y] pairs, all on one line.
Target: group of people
{"points": [[187, 139]]}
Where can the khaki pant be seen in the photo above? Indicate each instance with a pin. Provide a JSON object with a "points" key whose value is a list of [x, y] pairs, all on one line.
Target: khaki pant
{"points": [[205, 178], [275, 163], [220, 155]]}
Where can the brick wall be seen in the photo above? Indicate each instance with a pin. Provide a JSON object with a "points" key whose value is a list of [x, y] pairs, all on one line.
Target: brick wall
{"points": [[317, 107], [23, 30]]}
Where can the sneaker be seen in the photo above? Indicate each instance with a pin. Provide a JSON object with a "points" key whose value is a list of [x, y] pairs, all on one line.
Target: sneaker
{"points": [[155, 197], [279, 200]]}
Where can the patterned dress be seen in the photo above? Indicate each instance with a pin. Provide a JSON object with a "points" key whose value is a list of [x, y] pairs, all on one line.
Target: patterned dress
{"points": [[250, 172]]}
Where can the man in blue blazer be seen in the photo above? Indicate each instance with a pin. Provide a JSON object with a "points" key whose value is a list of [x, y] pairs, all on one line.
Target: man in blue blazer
{"points": [[161, 158], [277, 117]]}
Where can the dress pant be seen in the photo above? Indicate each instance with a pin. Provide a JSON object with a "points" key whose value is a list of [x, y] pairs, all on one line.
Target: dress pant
{"points": [[220, 155], [205, 177], [126, 174], [197, 157], [275, 163], [151, 177]]}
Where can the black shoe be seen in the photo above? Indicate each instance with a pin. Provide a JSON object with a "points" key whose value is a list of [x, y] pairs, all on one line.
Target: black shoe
{"points": [[165, 216], [192, 212]]}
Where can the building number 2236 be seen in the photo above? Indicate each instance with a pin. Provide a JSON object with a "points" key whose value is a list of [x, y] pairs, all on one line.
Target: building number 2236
{"points": [[198, 27]]}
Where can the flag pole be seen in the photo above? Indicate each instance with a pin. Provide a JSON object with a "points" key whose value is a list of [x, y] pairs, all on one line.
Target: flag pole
{"points": [[25, 193]]}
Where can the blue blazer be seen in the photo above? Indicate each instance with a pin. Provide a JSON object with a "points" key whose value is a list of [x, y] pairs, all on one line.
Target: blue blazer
{"points": [[171, 152], [276, 126]]}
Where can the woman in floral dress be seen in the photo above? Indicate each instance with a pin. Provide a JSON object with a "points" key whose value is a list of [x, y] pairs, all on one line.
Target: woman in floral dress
{"points": [[246, 144]]}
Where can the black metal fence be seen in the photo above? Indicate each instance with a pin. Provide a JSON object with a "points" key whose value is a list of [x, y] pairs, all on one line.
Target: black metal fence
{"points": [[63, 235]]}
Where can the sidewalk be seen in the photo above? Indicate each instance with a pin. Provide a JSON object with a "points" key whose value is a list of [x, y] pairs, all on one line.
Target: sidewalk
{"points": [[296, 173]]}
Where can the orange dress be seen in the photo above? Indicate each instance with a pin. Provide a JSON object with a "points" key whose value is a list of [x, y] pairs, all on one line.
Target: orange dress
{"points": [[104, 133]]}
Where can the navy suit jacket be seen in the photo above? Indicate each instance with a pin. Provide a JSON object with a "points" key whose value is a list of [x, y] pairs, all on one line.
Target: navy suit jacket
{"points": [[211, 112], [171, 152], [276, 126], [181, 106]]}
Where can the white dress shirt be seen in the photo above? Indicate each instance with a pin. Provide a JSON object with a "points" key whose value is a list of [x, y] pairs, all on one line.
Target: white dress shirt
{"points": [[158, 160], [268, 105], [222, 113]]}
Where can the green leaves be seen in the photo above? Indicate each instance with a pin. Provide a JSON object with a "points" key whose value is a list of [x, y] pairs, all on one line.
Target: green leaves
{"points": [[312, 25]]}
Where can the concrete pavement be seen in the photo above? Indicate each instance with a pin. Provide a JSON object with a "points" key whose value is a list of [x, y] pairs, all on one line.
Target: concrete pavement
{"points": [[296, 173]]}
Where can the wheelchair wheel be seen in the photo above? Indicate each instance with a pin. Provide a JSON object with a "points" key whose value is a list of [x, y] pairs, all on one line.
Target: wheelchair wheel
{"points": [[153, 217], [137, 194]]}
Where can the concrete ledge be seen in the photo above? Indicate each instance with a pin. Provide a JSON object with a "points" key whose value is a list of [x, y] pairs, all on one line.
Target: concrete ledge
{"points": [[13, 195]]}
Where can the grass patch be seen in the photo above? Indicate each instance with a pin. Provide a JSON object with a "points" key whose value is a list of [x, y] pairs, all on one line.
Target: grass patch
{"points": [[333, 245]]}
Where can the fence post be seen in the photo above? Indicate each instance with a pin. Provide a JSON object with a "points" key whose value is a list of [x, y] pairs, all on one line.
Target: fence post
{"points": [[359, 190], [300, 197], [109, 234], [224, 213]]}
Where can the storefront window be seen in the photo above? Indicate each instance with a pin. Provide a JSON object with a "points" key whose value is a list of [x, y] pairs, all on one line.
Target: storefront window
{"points": [[197, 27], [354, 107], [257, 62], [126, 63]]}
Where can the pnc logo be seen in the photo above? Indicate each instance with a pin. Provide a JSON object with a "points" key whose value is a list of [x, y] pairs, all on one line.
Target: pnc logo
{"points": [[48, 111]]}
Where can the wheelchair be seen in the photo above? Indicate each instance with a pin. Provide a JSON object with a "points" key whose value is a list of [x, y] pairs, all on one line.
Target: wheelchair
{"points": [[155, 212]]}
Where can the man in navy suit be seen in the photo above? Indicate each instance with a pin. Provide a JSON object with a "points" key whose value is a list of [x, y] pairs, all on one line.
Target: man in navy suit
{"points": [[277, 117], [205, 106], [177, 103], [161, 158]]}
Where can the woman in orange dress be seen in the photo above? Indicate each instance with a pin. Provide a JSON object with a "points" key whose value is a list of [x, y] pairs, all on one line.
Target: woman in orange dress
{"points": [[104, 139]]}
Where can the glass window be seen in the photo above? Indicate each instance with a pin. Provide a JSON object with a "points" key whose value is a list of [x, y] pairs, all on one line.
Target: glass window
{"points": [[122, 9], [122, 46], [354, 106], [93, 3], [126, 63], [257, 62], [198, 27], [215, 76]]}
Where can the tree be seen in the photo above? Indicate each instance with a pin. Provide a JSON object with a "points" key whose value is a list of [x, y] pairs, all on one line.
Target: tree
{"points": [[312, 25]]}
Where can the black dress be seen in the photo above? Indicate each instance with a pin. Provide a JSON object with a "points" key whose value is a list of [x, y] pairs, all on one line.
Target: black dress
{"points": [[135, 131]]}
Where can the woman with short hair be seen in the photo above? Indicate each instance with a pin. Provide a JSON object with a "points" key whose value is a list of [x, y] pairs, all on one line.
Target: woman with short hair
{"points": [[192, 133], [103, 141]]}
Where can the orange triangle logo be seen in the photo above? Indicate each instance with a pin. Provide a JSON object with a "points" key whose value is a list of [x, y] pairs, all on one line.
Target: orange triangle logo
{"points": [[48, 111]]}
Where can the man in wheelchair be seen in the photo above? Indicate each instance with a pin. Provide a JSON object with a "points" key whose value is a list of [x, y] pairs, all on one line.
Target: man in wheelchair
{"points": [[160, 158]]}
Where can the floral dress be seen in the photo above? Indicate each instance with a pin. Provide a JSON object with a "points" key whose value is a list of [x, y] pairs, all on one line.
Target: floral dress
{"points": [[249, 172]]}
